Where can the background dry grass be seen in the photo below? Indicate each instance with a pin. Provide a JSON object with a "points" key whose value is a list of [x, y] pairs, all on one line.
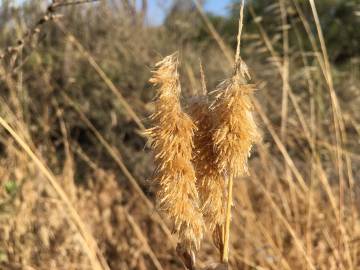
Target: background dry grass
{"points": [[75, 94]]}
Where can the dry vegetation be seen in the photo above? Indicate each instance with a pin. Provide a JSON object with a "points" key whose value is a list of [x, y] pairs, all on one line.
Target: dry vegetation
{"points": [[75, 167]]}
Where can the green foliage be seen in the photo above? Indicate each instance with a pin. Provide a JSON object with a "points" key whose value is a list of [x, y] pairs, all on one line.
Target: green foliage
{"points": [[338, 18], [11, 187], [3, 256]]}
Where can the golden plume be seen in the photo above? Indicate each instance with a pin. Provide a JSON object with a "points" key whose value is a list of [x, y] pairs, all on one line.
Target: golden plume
{"points": [[210, 182], [172, 142]]}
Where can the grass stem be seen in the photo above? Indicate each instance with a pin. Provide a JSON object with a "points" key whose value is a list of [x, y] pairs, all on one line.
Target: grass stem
{"points": [[225, 255]]}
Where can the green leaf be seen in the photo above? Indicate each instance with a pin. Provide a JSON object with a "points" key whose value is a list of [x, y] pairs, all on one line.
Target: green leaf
{"points": [[3, 256], [11, 187]]}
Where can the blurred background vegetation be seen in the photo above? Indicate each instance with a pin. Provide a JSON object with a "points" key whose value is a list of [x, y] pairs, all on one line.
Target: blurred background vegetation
{"points": [[74, 87]]}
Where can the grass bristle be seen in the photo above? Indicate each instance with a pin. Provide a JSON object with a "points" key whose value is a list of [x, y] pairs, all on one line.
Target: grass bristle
{"points": [[172, 143], [235, 130], [210, 182]]}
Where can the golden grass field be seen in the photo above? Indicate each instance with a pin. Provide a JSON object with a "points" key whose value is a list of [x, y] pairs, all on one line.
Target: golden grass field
{"points": [[85, 182]]}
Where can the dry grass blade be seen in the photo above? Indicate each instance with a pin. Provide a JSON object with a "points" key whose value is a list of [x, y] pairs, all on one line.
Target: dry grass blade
{"points": [[285, 76], [235, 130], [297, 240], [337, 115], [279, 144], [340, 132], [103, 76], [241, 19], [266, 119], [143, 239], [75, 89], [282, 148], [119, 161], [97, 260], [224, 48], [235, 133]]}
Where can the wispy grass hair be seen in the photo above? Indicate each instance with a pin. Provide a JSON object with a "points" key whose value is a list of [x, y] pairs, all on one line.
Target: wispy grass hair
{"points": [[172, 143]]}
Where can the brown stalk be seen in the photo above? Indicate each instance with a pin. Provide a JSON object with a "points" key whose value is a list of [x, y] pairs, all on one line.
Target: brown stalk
{"points": [[337, 117], [340, 133], [235, 132], [279, 144], [95, 256], [225, 49], [143, 239], [234, 129], [71, 38], [119, 161], [49, 15], [297, 240]]}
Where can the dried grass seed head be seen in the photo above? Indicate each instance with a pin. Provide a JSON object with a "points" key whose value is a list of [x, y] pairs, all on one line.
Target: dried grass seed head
{"points": [[210, 182], [235, 128], [172, 143]]}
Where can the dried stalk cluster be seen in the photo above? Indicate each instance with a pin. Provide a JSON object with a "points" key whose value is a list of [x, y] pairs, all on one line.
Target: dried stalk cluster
{"points": [[195, 154]]}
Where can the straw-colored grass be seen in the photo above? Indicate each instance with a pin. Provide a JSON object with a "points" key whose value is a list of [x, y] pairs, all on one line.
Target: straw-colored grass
{"points": [[210, 181], [74, 167], [172, 142]]}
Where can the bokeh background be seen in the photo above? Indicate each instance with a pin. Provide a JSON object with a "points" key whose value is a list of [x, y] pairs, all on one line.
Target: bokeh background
{"points": [[75, 99]]}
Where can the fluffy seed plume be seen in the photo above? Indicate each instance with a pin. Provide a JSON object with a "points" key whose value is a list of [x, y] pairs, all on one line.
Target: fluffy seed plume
{"points": [[235, 128], [210, 182], [172, 143]]}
